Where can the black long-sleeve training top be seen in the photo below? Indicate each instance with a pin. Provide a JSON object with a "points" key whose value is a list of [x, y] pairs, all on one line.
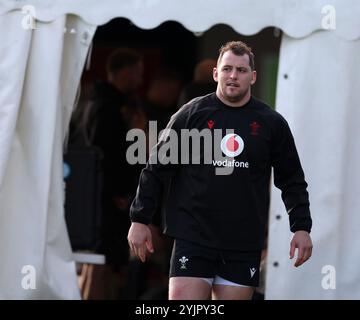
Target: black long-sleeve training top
{"points": [[226, 211]]}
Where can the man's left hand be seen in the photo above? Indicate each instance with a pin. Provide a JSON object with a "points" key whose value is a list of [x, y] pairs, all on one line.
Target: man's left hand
{"points": [[302, 241]]}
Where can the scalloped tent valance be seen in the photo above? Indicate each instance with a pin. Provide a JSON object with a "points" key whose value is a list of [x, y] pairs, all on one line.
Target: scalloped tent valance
{"points": [[296, 18]]}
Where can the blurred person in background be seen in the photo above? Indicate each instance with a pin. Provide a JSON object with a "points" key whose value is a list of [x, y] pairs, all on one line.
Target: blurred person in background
{"points": [[202, 83], [113, 109]]}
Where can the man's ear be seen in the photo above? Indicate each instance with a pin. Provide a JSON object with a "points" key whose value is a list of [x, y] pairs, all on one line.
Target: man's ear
{"points": [[254, 75], [215, 74]]}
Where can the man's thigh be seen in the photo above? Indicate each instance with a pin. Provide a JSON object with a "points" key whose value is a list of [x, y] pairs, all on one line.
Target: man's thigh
{"points": [[231, 292], [189, 288]]}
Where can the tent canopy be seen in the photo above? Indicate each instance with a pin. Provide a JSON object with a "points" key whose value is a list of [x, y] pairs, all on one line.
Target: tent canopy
{"points": [[296, 18]]}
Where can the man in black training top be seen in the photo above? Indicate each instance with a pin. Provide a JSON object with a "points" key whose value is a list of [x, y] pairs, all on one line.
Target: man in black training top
{"points": [[218, 220]]}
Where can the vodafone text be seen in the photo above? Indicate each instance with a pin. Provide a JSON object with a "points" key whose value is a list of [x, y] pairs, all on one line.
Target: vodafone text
{"points": [[231, 163]]}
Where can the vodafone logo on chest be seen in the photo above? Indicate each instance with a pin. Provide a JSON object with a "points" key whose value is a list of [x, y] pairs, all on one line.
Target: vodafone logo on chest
{"points": [[232, 145]]}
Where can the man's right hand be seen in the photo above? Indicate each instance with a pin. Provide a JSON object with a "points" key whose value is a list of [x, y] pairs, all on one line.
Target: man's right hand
{"points": [[140, 240]]}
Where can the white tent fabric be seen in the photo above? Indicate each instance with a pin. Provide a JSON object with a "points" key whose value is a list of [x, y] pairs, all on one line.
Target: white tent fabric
{"points": [[297, 18], [39, 73], [320, 99]]}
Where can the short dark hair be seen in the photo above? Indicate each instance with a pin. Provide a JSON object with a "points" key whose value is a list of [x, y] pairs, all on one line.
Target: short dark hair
{"points": [[121, 58], [238, 48]]}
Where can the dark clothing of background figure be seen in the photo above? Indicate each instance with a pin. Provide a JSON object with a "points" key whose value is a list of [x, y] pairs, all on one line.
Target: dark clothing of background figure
{"points": [[108, 124], [162, 115], [194, 90]]}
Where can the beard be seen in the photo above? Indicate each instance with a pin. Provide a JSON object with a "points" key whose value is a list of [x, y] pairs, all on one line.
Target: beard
{"points": [[236, 97]]}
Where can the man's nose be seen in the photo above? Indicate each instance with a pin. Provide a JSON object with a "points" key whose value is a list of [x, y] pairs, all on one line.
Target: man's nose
{"points": [[233, 74]]}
